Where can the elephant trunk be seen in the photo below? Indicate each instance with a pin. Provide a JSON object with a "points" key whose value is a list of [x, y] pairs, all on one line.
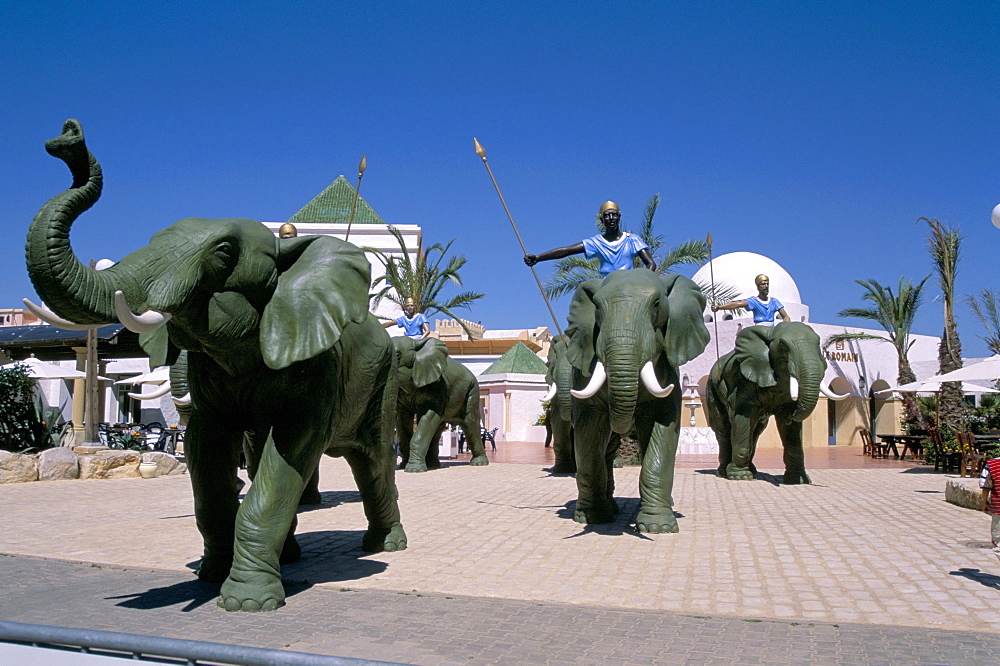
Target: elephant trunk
{"points": [[809, 379], [622, 362], [564, 382], [72, 290]]}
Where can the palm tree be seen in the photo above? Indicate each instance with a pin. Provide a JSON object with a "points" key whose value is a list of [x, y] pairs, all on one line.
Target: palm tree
{"points": [[987, 311], [572, 271], [895, 313], [422, 280], [943, 244]]}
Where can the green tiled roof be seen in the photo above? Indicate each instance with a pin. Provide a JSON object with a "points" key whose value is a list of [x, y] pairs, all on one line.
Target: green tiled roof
{"points": [[518, 359], [334, 205]]}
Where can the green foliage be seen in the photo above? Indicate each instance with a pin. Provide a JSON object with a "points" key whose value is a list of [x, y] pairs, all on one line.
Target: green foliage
{"points": [[572, 271], [544, 416], [21, 429], [988, 313], [422, 280]]}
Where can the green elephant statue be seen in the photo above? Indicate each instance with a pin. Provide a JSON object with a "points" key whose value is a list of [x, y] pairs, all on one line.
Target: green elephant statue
{"points": [[629, 333], [434, 390], [559, 377], [280, 345], [772, 370]]}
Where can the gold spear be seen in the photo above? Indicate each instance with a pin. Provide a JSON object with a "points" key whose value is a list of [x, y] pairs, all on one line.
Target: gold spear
{"points": [[482, 154], [711, 273], [354, 204]]}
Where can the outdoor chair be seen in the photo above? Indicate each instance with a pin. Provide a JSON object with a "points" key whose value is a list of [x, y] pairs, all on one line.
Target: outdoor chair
{"points": [[972, 460], [871, 447], [943, 461]]}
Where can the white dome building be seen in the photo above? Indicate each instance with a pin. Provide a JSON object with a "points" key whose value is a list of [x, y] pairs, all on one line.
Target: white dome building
{"points": [[737, 270]]}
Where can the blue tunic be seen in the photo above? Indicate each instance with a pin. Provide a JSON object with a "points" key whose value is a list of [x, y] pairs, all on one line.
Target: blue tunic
{"points": [[763, 313], [414, 328], [616, 255]]}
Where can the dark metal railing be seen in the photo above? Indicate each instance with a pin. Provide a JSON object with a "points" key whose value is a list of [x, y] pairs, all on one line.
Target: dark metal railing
{"points": [[154, 648]]}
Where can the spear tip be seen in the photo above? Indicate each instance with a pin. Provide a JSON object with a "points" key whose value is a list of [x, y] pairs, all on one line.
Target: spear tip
{"points": [[363, 165], [479, 148], [709, 239]]}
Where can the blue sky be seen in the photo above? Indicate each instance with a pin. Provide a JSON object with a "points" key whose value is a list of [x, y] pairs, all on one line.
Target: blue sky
{"points": [[815, 133]]}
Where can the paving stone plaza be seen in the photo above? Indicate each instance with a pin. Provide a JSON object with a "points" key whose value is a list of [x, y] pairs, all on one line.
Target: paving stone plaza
{"points": [[867, 565]]}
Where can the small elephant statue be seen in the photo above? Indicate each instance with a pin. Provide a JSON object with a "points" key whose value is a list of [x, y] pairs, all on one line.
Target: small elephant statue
{"points": [[629, 333], [772, 370], [280, 345], [559, 377], [434, 390]]}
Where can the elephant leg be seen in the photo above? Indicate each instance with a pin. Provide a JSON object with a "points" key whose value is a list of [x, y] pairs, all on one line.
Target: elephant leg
{"points": [[404, 435], [472, 426], [254, 442], [754, 439], [794, 455], [433, 455], [375, 475], [265, 519], [311, 494], [722, 428], [593, 469], [656, 480], [211, 450], [428, 425], [562, 446], [741, 435]]}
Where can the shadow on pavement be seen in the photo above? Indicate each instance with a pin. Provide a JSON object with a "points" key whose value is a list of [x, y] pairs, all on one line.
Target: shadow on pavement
{"points": [[330, 499], [981, 577], [194, 592]]}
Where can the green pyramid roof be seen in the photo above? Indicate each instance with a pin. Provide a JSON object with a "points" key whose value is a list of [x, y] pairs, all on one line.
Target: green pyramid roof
{"points": [[334, 205], [518, 359]]}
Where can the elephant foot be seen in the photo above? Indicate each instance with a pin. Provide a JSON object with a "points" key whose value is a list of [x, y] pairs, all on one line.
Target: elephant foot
{"points": [[386, 540], [251, 597], [734, 473], [290, 552], [433, 464], [564, 468], [795, 478], [604, 512], [480, 461], [418, 466], [661, 522], [214, 568]]}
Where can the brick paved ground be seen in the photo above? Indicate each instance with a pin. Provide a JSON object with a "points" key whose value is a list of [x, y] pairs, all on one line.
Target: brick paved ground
{"points": [[866, 565]]}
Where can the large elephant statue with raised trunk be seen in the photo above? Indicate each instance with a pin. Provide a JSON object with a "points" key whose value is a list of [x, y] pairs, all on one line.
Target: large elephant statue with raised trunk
{"points": [[280, 345], [772, 370], [629, 333], [434, 390], [559, 377]]}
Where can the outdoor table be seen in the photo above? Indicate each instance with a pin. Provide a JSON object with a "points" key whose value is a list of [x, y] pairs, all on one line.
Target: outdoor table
{"points": [[171, 437], [912, 442]]}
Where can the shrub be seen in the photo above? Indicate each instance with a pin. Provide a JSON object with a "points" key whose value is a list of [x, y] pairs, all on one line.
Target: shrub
{"points": [[20, 427]]}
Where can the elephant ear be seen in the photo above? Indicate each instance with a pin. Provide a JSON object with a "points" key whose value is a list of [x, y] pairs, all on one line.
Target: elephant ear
{"points": [[753, 354], [582, 312], [430, 360], [322, 288], [156, 344], [686, 335]]}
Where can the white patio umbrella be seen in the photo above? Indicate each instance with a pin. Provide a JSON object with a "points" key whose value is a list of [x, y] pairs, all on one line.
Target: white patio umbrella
{"points": [[988, 370], [932, 385], [42, 370]]}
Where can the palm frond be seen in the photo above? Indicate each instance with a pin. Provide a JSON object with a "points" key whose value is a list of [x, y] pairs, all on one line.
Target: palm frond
{"points": [[987, 311]]}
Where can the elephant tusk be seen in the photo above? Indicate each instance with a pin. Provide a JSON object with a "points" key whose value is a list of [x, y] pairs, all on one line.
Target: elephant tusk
{"points": [[183, 400], [50, 317], [793, 388], [551, 393], [830, 394], [159, 392], [596, 382], [143, 323], [652, 384]]}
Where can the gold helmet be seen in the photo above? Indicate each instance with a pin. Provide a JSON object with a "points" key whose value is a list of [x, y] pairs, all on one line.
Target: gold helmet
{"points": [[609, 205], [287, 230]]}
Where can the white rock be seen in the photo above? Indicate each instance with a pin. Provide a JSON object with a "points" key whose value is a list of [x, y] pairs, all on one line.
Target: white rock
{"points": [[17, 468], [165, 463], [110, 465], [57, 464]]}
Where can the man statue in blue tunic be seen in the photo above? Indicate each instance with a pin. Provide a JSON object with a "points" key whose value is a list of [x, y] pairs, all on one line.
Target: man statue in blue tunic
{"points": [[413, 323], [615, 249], [763, 307]]}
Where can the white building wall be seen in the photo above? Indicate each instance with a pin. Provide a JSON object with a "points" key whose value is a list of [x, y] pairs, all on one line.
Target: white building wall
{"points": [[514, 403]]}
